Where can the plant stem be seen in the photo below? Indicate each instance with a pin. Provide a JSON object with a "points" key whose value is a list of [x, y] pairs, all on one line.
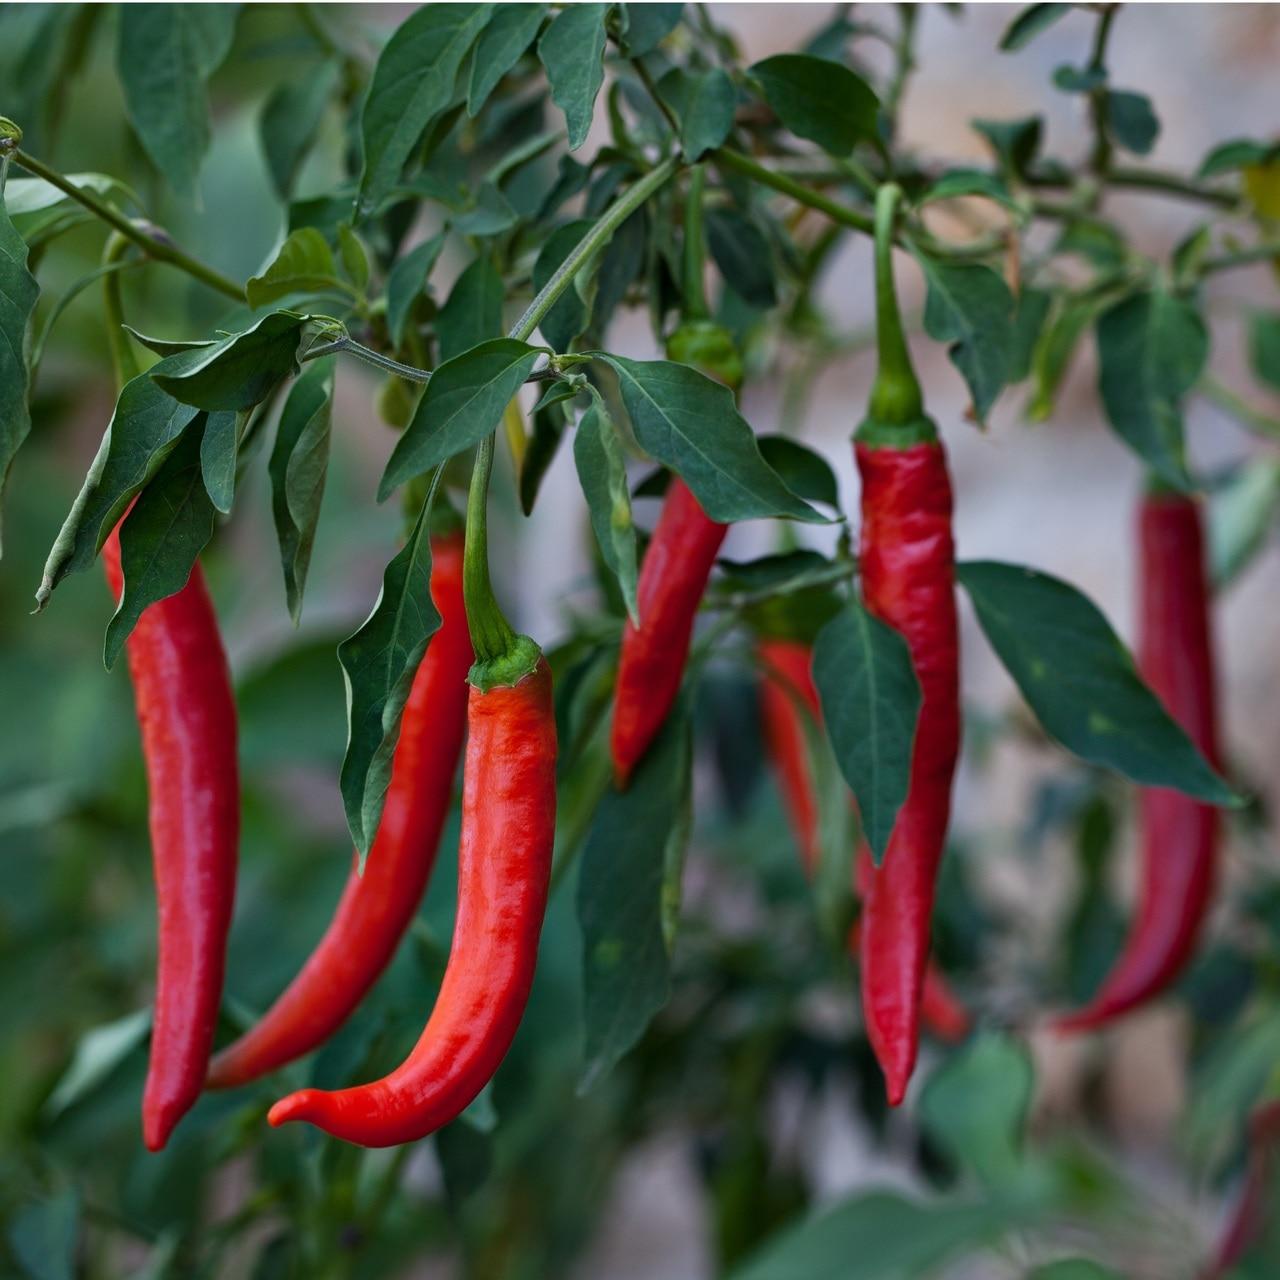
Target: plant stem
{"points": [[123, 361], [1100, 158], [1218, 393], [1263, 252], [895, 395], [904, 64], [728, 158], [156, 247], [348, 344]]}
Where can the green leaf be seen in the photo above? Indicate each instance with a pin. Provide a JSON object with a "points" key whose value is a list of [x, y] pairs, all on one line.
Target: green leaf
{"points": [[463, 402], [290, 120], [803, 470], [742, 255], [502, 43], [168, 346], [544, 443], [690, 423], [97, 1054], [1264, 347], [703, 102], [1034, 19], [473, 313], [412, 85], [304, 264], [1074, 1269], [970, 182], [647, 25], [1239, 153], [572, 51], [1151, 349], [1080, 680], [165, 54], [164, 533], [879, 1236], [870, 703], [407, 282], [238, 371], [625, 959], [355, 261], [970, 306], [141, 434], [1241, 513], [1053, 354], [44, 1236], [602, 471], [1079, 79], [18, 294], [218, 449], [490, 214], [1015, 142], [1131, 121], [571, 313], [820, 100], [975, 1107], [1030, 313], [379, 663], [298, 467]]}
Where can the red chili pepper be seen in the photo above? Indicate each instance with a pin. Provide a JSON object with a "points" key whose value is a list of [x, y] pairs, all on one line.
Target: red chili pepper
{"points": [[908, 581], [1179, 835], [787, 665], [377, 907], [674, 575], [1247, 1223], [504, 867], [187, 715]]}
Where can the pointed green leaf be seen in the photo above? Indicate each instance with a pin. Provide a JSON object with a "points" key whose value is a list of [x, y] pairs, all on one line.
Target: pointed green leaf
{"points": [[602, 472], [970, 182], [647, 25], [625, 958], [820, 100], [170, 524], [970, 306], [303, 264], [870, 704], [690, 423], [412, 85], [218, 458], [97, 1054], [18, 294], [238, 371], [1080, 680], [167, 346], [1132, 121], [165, 54], [572, 51], [463, 403], [379, 663], [804, 471], [1034, 19], [473, 313], [142, 432], [742, 254], [290, 121], [1241, 514], [503, 42], [407, 282], [703, 102], [544, 443], [1151, 349], [298, 467]]}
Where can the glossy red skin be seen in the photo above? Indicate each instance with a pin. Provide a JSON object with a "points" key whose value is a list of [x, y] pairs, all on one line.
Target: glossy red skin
{"points": [[1245, 1227], [788, 667], [1179, 835], [504, 867], [187, 715], [673, 578], [908, 580], [377, 907]]}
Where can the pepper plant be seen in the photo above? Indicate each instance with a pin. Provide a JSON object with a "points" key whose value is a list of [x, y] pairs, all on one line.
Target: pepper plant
{"points": [[477, 223]]}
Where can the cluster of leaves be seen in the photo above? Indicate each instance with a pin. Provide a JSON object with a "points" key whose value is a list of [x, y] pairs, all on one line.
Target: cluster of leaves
{"points": [[463, 142]]}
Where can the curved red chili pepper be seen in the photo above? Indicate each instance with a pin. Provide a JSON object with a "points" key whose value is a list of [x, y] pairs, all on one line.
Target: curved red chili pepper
{"points": [[908, 574], [674, 576], [1245, 1227], [377, 907], [788, 671], [1179, 835], [504, 867], [186, 711]]}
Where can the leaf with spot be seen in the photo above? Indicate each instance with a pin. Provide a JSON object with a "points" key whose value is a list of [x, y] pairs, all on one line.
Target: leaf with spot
{"points": [[164, 533], [379, 662], [626, 959], [463, 403], [412, 86], [870, 704], [691, 424], [572, 51], [1081, 682], [298, 467]]}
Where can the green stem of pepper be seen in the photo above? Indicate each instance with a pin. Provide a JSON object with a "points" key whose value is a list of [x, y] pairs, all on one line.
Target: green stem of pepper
{"points": [[124, 362]]}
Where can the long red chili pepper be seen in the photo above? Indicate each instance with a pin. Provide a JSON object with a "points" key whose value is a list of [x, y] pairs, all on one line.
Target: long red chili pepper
{"points": [[187, 715], [1179, 835], [788, 675], [504, 865], [908, 580], [376, 907], [1245, 1227]]}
